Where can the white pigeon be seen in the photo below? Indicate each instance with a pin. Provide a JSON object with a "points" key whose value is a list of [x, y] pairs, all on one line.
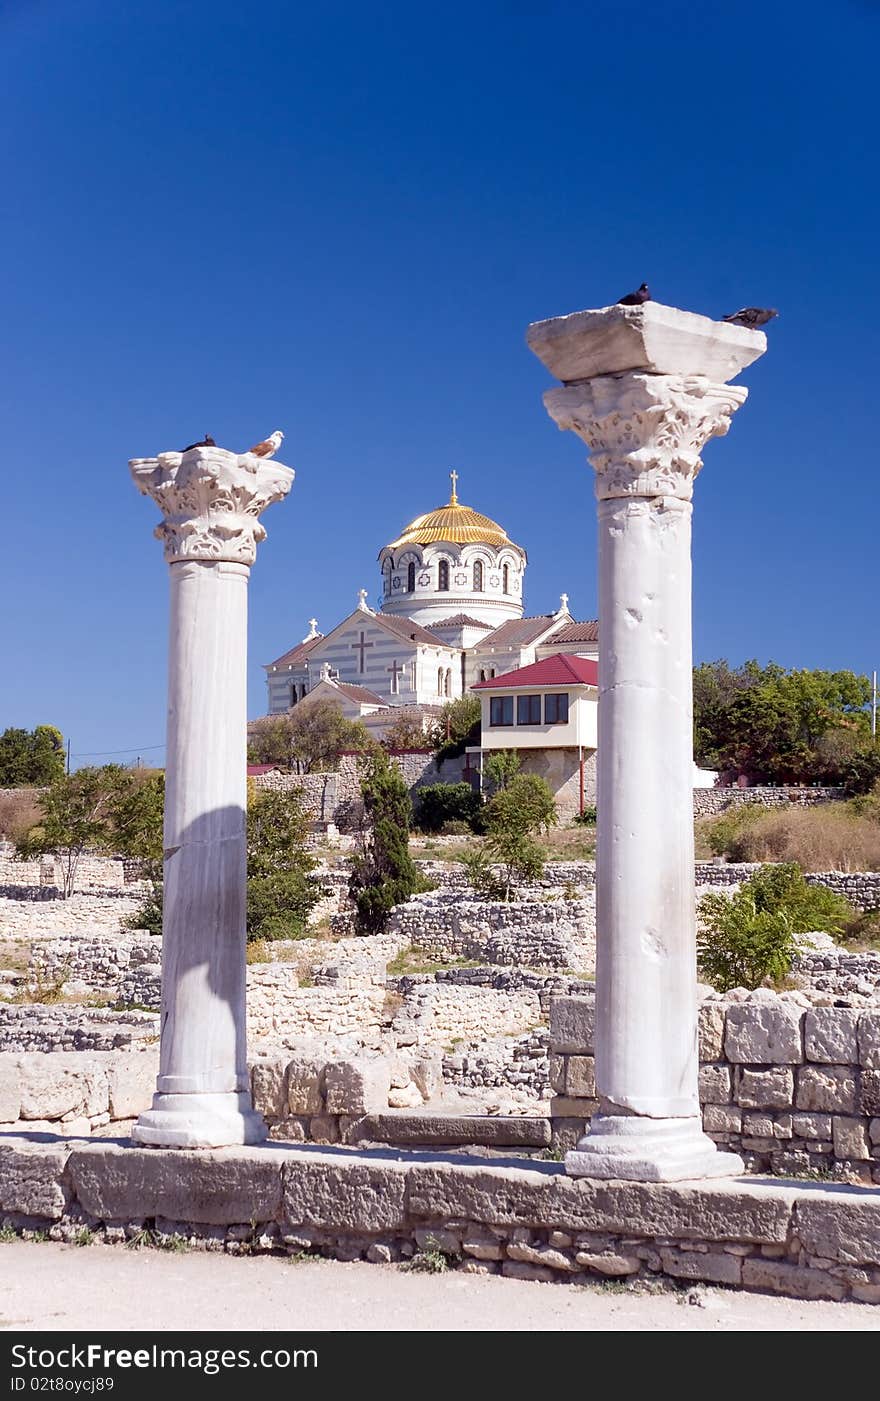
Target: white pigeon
{"points": [[269, 446]]}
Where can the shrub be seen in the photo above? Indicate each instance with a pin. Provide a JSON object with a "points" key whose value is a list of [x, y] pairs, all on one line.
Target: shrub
{"points": [[500, 767], [383, 872], [457, 726], [278, 906], [513, 817], [440, 803], [748, 937], [587, 818], [280, 895]]}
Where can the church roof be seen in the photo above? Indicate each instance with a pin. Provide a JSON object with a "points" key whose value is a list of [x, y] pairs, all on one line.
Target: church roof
{"points": [[407, 629], [562, 669], [463, 620], [517, 632], [461, 525], [361, 695], [578, 632], [298, 653]]}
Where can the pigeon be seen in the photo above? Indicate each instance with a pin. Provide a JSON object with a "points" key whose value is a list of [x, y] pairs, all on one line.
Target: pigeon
{"points": [[751, 317], [636, 298], [269, 446], [207, 442]]}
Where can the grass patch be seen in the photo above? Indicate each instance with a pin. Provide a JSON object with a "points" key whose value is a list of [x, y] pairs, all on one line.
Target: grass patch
{"points": [[828, 837], [7, 1234], [411, 961]]}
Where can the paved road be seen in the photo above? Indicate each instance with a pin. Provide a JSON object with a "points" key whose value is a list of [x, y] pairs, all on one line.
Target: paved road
{"points": [[66, 1287]]}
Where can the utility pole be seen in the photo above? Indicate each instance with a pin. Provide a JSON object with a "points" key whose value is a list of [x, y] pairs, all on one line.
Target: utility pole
{"points": [[874, 705], [68, 750]]}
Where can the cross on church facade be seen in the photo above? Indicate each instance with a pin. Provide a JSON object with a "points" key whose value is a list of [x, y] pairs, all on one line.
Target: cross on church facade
{"points": [[361, 647], [396, 670]]}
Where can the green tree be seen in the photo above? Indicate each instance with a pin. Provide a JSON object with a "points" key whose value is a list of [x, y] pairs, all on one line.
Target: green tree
{"points": [[269, 741], [748, 937], [785, 726], [407, 732], [137, 816], [501, 766], [514, 816], [317, 733], [77, 813], [383, 872], [31, 758], [280, 892], [457, 726], [439, 803]]}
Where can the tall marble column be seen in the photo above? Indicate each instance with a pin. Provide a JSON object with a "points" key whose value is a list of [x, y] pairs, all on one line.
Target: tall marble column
{"points": [[645, 388], [210, 500]]}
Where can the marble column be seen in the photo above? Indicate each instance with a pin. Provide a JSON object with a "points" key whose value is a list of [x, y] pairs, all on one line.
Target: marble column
{"points": [[210, 500], [645, 388]]}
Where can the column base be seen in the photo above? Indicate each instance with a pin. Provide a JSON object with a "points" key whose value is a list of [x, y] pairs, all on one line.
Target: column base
{"points": [[200, 1121], [634, 1148]]}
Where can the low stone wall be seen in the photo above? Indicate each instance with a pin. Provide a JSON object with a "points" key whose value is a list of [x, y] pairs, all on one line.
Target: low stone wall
{"points": [[75, 1094], [552, 934], [525, 1222], [126, 967], [442, 1013], [519, 1064], [35, 913], [328, 796], [709, 801], [35, 1027], [838, 972], [791, 1087]]}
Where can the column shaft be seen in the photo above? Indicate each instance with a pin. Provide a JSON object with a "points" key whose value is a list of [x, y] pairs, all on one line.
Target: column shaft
{"points": [[645, 973]]}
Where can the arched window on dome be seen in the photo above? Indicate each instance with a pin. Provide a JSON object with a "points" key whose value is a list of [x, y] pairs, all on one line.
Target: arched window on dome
{"points": [[439, 681], [447, 684], [505, 575], [387, 575], [443, 576], [410, 577], [478, 576]]}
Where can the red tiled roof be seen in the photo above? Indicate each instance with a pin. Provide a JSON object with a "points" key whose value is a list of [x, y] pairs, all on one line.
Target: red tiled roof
{"points": [[578, 632], [254, 769], [298, 653], [561, 669]]}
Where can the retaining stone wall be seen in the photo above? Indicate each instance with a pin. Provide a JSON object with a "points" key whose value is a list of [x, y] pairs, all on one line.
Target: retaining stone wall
{"points": [[529, 1223], [709, 801], [790, 1087], [553, 934], [328, 796], [46, 1028]]}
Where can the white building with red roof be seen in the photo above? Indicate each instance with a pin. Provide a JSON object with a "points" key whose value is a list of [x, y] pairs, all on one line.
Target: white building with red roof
{"points": [[547, 713]]}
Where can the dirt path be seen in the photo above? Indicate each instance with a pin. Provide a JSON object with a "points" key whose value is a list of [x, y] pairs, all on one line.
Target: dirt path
{"points": [[61, 1287]]}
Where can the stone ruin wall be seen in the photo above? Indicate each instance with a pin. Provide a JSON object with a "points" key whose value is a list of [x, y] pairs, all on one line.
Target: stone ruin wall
{"points": [[791, 1088], [525, 1222], [710, 801]]}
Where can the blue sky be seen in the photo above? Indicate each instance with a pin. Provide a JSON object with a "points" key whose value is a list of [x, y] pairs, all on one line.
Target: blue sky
{"points": [[339, 219]]}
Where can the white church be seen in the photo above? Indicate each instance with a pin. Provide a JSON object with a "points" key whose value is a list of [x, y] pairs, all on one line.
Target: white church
{"points": [[451, 616]]}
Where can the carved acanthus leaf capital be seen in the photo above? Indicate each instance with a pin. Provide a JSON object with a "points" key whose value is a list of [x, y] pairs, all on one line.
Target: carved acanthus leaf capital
{"points": [[211, 501], [645, 432]]}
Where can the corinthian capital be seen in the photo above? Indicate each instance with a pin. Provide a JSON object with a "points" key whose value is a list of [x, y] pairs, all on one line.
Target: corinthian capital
{"points": [[645, 432], [211, 501]]}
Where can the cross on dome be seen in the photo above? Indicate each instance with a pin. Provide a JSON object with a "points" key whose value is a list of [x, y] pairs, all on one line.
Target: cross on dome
{"points": [[453, 495]]}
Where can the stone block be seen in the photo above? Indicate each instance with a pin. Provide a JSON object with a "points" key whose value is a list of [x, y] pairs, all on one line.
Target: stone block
{"points": [[482, 1247], [547, 1198], [10, 1091], [580, 1077], [217, 1186], [869, 1092], [324, 1128], [711, 1030], [357, 1086], [556, 1074], [565, 1107], [33, 1178], [409, 1097], [269, 1088], [874, 1131], [759, 1124], [869, 1040], [841, 1224], [765, 1089], [431, 1130], [715, 1084], [340, 1194], [304, 1085], [811, 1125], [427, 1075], [131, 1080], [722, 1118], [831, 1089], [850, 1138], [608, 1263], [762, 1033], [571, 1024], [51, 1085], [541, 1255], [717, 1268], [830, 1035], [778, 1277]]}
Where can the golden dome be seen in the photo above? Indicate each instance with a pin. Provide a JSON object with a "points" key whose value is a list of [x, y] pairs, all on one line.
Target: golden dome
{"points": [[459, 524]]}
